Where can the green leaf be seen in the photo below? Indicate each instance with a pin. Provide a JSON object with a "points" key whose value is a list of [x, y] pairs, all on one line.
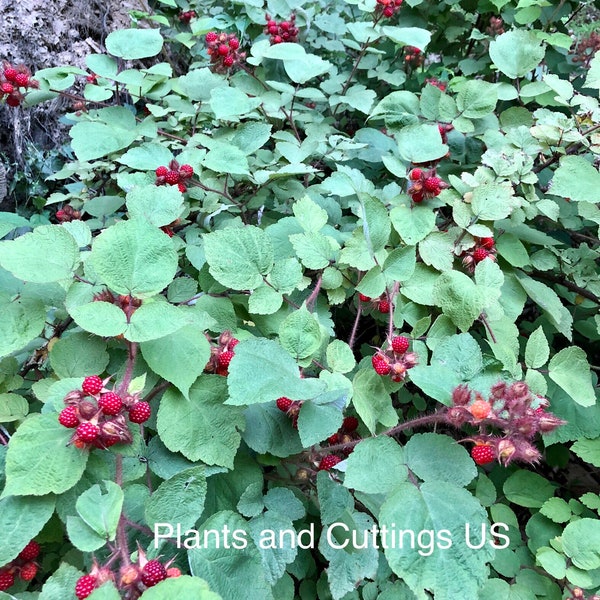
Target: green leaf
{"points": [[372, 401], [107, 591], [216, 563], [436, 381], [21, 519], [147, 156], [366, 472], [48, 253], [461, 354], [179, 501], [225, 158], [262, 371], [570, 369], [537, 349], [184, 586], [557, 510], [309, 214], [157, 205], [437, 250], [525, 488], [228, 102], [442, 516], [101, 511], [588, 450], [592, 80], [340, 357], [131, 44], [581, 543], [375, 222], [78, 355], [249, 137], [314, 250], [201, 427], [516, 52], [459, 298], [300, 334], [575, 179], [400, 264], [408, 36], [22, 320], [264, 300], [412, 223], [239, 257], [61, 584], [179, 357], [82, 536], [317, 422], [133, 257], [421, 143], [476, 98], [155, 319], [40, 460], [492, 201], [434, 457], [12, 408]]}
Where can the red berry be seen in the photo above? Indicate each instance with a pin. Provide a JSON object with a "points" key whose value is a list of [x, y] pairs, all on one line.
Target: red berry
{"points": [[388, 11], [161, 171], [271, 23], [233, 342], [110, 403], [284, 404], [328, 462], [480, 409], [364, 298], [483, 454], [273, 29], [31, 551], [92, 385], [418, 196], [415, 174], [225, 358], [186, 171], [85, 586], [22, 79], [480, 254], [228, 61], [181, 188], [87, 432], [284, 25], [383, 307], [173, 572], [140, 412], [223, 50], [211, 37], [432, 185], [68, 417], [172, 177], [7, 88], [380, 364], [153, 573], [276, 39], [400, 344], [6, 580], [333, 439], [28, 571], [234, 43], [487, 243], [10, 74], [350, 424]]}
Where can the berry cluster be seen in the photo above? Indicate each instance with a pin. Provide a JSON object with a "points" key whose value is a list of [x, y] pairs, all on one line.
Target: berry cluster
{"points": [[345, 434], [395, 360], [24, 566], [507, 421], [174, 175], [484, 248], [585, 49], [185, 16], [437, 83], [103, 421], [387, 8], [496, 26], [222, 354], [92, 79], [382, 304], [328, 462], [128, 304], [67, 214], [424, 184], [444, 128], [224, 51], [14, 79], [413, 56], [291, 408], [284, 31], [578, 594]]}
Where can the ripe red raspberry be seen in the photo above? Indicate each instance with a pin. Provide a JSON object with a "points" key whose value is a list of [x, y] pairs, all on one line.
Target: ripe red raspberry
{"points": [[28, 571], [228, 61], [415, 174], [480, 254], [487, 243], [85, 586], [223, 49], [388, 11], [181, 188], [31, 551], [186, 171], [350, 424], [225, 358], [380, 365], [328, 462], [172, 177], [110, 403], [234, 43], [233, 342], [22, 79], [7, 88], [483, 454], [87, 432], [68, 417], [400, 344], [153, 573], [10, 74], [418, 197], [140, 412], [161, 171], [284, 404], [6, 580], [276, 39], [173, 572], [383, 307], [211, 37], [364, 298], [273, 29], [480, 409], [333, 439], [432, 185], [92, 385]]}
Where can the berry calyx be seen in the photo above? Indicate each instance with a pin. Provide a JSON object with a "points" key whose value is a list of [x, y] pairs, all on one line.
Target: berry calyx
{"points": [[383, 307], [153, 572], [400, 344], [87, 432], [31, 551], [85, 586], [483, 454], [225, 358], [6, 580], [110, 403], [284, 404], [480, 409], [480, 254], [68, 417], [328, 462], [92, 385], [380, 364], [350, 424], [140, 412], [28, 571]]}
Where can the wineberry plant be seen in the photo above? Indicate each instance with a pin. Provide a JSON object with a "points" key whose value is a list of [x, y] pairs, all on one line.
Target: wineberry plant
{"points": [[314, 314]]}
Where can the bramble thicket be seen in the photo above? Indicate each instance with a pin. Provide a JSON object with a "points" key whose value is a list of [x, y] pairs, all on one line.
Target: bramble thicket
{"points": [[322, 268]]}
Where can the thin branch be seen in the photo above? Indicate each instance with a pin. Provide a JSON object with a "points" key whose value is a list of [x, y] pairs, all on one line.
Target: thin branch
{"points": [[562, 280], [352, 339]]}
